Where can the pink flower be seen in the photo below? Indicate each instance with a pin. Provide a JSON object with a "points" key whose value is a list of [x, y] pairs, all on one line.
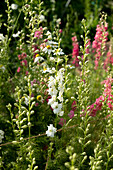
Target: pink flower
{"points": [[100, 41], [62, 122], [39, 33], [32, 95], [27, 73], [71, 114], [36, 104], [18, 70], [75, 51], [60, 31], [22, 56], [24, 62], [73, 106]]}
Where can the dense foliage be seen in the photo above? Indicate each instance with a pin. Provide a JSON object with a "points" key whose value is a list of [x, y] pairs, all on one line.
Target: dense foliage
{"points": [[56, 93]]}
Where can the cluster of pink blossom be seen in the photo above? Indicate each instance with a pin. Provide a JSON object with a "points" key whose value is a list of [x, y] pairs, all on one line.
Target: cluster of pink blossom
{"points": [[71, 114], [39, 33], [75, 51], [100, 40], [106, 96], [109, 59], [23, 62]]}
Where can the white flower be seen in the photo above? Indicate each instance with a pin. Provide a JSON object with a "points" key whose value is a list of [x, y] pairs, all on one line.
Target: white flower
{"points": [[14, 6], [49, 35], [2, 37], [69, 66], [2, 68], [42, 17], [26, 101], [1, 135], [48, 49], [52, 91], [52, 81], [61, 87], [37, 59], [61, 113], [59, 60], [17, 34], [52, 100], [51, 131], [60, 97], [50, 45], [58, 51], [57, 110], [45, 70], [59, 77], [56, 107], [52, 59]]}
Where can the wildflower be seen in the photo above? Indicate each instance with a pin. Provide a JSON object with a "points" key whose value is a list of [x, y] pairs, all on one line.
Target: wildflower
{"points": [[42, 17], [70, 66], [24, 62], [52, 100], [39, 97], [47, 69], [71, 114], [18, 70], [62, 121], [99, 43], [59, 60], [52, 91], [27, 73], [1, 135], [75, 52], [58, 51], [56, 108], [49, 35], [14, 6], [50, 47], [36, 104], [73, 106], [39, 33], [51, 131], [2, 37], [38, 58], [60, 31], [61, 113], [60, 97], [22, 56], [17, 34], [2, 68], [26, 100]]}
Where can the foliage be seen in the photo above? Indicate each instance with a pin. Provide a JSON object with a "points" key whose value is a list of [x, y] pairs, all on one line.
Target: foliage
{"points": [[56, 109]]}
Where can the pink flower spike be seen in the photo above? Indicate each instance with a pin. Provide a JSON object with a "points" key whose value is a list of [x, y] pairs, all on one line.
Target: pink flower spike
{"points": [[71, 114], [62, 122]]}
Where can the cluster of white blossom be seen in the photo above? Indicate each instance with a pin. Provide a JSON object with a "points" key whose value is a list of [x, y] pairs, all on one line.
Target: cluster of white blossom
{"points": [[56, 89], [1, 135]]}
